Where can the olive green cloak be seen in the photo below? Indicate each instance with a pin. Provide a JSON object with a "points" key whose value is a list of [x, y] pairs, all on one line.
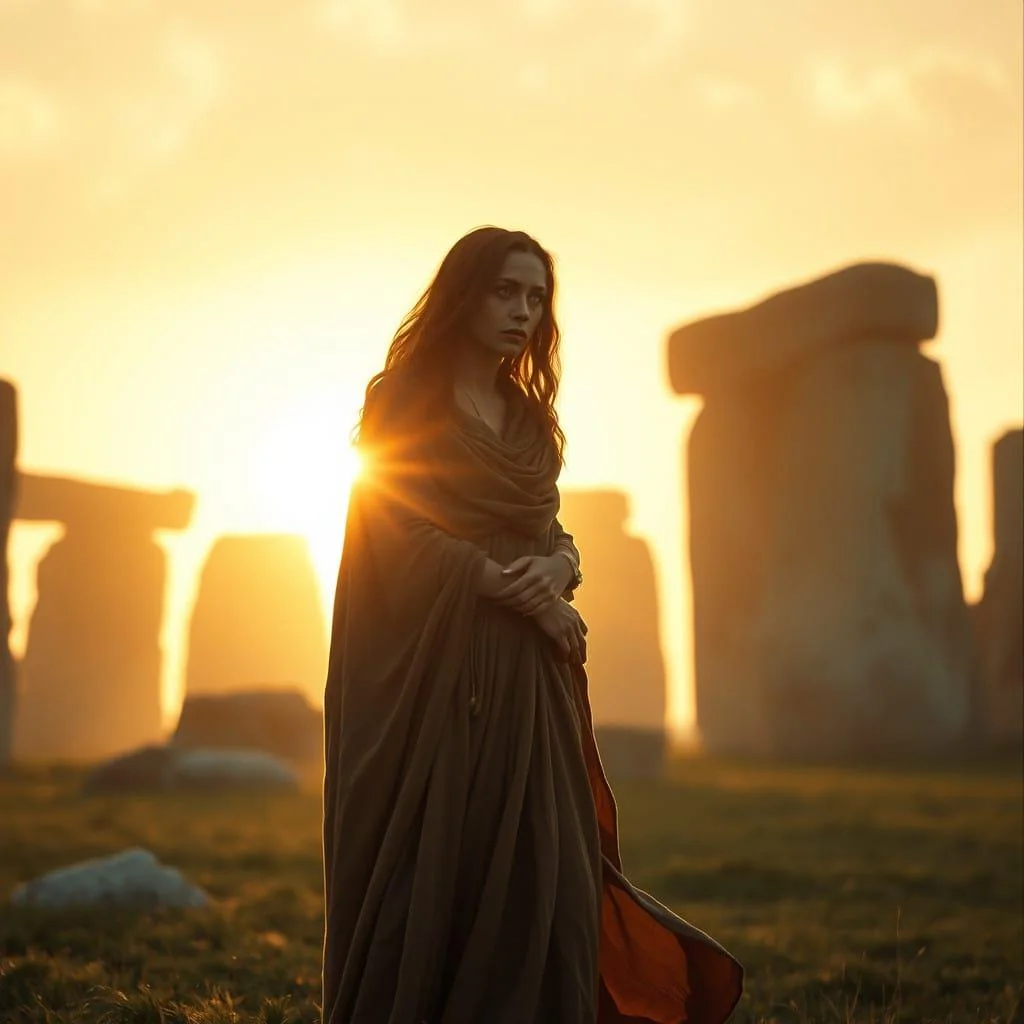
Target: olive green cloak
{"points": [[471, 853]]}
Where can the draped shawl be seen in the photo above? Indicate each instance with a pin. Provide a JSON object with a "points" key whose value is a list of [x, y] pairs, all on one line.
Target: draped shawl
{"points": [[471, 855]]}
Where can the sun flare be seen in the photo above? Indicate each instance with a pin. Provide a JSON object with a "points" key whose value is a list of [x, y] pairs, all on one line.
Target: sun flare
{"points": [[303, 470]]}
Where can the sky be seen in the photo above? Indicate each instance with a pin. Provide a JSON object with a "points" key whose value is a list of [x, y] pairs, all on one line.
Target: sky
{"points": [[215, 213]]}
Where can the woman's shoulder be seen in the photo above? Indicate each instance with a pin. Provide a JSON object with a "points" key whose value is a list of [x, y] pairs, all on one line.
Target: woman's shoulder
{"points": [[394, 400]]}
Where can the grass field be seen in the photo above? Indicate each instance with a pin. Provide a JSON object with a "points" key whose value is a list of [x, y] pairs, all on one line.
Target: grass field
{"points": [[849, 895]]}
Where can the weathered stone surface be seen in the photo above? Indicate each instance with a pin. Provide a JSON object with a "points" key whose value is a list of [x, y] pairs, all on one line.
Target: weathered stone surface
{"points": [[619, 602], [133, 878], [90, 678], [631, 754], [280, 722], [8, 471], [860, 301], [258, 621], [999, 616], [101, 508], [148, 769], [829, 616]]}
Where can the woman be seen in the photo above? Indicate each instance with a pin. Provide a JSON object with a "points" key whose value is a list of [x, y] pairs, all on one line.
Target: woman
{"points": [[470, 843]]}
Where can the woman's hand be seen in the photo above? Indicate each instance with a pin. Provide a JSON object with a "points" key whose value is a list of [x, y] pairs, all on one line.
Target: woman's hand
{"points": [[566, 628], [535, 581]]}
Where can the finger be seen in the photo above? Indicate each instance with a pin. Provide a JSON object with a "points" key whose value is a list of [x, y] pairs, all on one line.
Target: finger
{"points": [[522, 608], [523, 585], [527, 595], [513, 593], [517, 566], [539, 603], [517, 583]]}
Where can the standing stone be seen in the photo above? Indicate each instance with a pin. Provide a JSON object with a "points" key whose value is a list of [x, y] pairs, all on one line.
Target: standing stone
{"points": [[258, 621], [829, 616], [999, 616], [8, 479], [91, 676], [282, 722], [619, 602]]}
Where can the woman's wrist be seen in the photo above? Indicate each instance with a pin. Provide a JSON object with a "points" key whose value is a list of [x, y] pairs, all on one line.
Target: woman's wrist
{"points": [[567, 567], [492, 580]]}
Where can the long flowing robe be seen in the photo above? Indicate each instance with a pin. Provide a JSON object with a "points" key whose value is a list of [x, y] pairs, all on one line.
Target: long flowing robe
{"points": [[471, 857]]}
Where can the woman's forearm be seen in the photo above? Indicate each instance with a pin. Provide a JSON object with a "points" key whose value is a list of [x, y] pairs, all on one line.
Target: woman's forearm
{"points": [[566, 547], [491, 579], [564, 543]]}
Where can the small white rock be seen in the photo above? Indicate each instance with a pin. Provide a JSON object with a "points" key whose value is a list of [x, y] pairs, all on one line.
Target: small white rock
{"points": [[210, 767], [131, 878]]}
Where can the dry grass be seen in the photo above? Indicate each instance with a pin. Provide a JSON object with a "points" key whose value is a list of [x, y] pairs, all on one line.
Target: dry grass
{"points": [[851, 896]]}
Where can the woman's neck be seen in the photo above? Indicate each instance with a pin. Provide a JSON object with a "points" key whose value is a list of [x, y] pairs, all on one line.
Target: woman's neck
{"points": [[476, 370]]}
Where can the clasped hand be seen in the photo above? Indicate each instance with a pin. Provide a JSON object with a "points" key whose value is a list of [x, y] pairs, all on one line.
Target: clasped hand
{"points": [[535, 588], [534, 582]]}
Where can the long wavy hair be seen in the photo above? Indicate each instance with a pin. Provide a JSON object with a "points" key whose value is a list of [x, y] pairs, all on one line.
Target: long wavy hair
{"points": [[426, 343]]}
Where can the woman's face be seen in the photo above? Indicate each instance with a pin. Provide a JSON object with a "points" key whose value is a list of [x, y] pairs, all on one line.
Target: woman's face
{"points": [[512, 306]]}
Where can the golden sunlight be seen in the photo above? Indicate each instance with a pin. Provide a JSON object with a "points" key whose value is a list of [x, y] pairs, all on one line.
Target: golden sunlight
{"points": [[303, 469]]}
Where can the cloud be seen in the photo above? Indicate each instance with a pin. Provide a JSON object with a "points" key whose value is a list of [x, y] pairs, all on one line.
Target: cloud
{"points": [[563, 33], [195, 63], [533, 78], [721, 93], [117, 102], [157, 122], [904, 89], [388, 26], [110, 7], [545, 10], [31, 120], [667, 22]]}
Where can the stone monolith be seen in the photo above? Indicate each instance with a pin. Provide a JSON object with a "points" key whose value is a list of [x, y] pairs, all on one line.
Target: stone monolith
{"points": [[8, 480], [258, 621], [91, 675], [999, 616], [829, 616], [619, 602]]}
